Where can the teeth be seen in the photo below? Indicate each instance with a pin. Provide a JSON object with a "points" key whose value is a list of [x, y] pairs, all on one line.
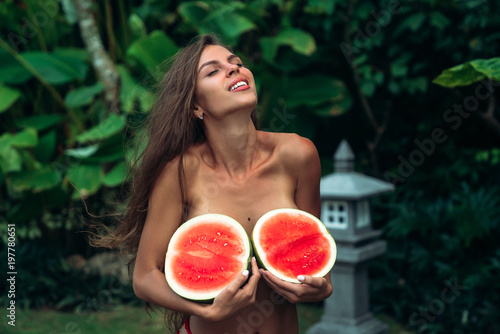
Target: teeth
{"points": [[238, 84]]}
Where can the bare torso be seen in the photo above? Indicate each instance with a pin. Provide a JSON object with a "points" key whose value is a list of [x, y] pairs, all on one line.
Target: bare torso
{"points": [[245, 197]]}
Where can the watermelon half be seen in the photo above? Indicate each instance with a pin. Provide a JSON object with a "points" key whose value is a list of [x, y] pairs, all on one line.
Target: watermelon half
{"points": [[292, 242], [205, 255]]}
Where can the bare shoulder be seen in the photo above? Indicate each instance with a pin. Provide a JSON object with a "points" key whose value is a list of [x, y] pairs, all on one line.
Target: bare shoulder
{"points": [[169, 176], [167, 179], [296, 153], [294, 149]]}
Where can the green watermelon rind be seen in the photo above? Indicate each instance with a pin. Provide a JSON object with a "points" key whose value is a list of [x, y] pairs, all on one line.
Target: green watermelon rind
{"points": [[208, 296], [260, 254]]}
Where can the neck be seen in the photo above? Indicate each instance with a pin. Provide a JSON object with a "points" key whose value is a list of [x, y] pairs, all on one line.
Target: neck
{"points": [[233, 145]]}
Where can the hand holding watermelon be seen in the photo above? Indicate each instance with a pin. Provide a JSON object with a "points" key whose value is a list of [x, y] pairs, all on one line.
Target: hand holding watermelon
{"points": [[311, 289], [235, 298]]}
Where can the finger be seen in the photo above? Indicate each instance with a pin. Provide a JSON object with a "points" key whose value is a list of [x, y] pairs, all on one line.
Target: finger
{"points": [[255, 270], [237, 282], [281, 283], [277, 285], [254, 279], [269, 278], [316, 282], [286, 289]]}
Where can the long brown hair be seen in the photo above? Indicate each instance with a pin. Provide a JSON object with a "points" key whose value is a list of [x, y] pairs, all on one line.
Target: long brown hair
{"points": [[171, 128]]}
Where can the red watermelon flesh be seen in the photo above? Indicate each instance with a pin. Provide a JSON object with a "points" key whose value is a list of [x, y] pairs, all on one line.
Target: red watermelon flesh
{"points": [[291, 242], [206, 252], [205, 255]]}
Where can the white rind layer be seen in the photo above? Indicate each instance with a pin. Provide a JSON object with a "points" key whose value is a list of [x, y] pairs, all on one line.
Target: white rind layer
{"points": [[259, 251], [196, 295]]}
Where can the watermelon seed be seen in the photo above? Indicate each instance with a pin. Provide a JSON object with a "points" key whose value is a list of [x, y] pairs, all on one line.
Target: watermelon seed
{"points": [[225, 244]]}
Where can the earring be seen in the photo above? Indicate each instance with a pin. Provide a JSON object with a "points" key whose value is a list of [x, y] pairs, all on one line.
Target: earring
{"points": [[200, 116]]}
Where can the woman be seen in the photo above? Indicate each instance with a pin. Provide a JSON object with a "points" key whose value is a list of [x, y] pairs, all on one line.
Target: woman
{"points": [[204, 155]]}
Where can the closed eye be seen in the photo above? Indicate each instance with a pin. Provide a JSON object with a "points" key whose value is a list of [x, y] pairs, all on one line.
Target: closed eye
{"points": [[212, 73]]}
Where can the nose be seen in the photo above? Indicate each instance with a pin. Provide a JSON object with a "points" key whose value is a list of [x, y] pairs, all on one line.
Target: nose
{"points": [[232, 68]]}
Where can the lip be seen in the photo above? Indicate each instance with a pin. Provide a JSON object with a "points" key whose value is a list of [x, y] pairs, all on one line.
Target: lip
{"points": [[236, 81]]}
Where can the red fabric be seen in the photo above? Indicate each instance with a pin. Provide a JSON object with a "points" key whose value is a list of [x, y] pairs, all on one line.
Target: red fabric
{"points": [[186, 326]]}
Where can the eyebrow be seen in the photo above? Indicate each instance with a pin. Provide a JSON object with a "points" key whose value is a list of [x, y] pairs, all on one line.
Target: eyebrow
{"points": [[215, 62]]}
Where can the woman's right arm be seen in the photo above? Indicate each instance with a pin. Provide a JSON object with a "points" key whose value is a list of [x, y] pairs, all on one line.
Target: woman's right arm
{"points": [[163, 219]]}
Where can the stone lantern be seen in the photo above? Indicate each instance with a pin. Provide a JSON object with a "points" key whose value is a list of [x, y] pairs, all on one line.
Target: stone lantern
{"points": [[345, 211]]}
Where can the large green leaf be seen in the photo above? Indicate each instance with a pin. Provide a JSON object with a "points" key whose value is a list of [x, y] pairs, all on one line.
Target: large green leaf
{"points": [[116, 176], [77, 58], [152, 50], [82, 152], [83, 96], [11, 71], [10, 159], [470, 72], [107, 128], [193, 12], [299, 40], [46, 146], [87, 179], [489, 67], [55, 70], [131, 92], [36, 180], [137, 26], [314, 90], [7, 97], [39, 122], [110, 150], [25, 138], [227, 22]]}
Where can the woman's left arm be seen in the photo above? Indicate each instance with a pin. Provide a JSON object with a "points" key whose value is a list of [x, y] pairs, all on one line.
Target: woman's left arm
{"points": [[302, 161]]}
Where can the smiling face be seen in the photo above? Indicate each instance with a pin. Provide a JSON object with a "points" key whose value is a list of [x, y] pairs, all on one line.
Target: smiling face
{"points": [[223, 85]]}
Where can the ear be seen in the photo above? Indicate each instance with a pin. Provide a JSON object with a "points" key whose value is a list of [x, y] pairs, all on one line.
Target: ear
{"points": [[197, 111]]}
